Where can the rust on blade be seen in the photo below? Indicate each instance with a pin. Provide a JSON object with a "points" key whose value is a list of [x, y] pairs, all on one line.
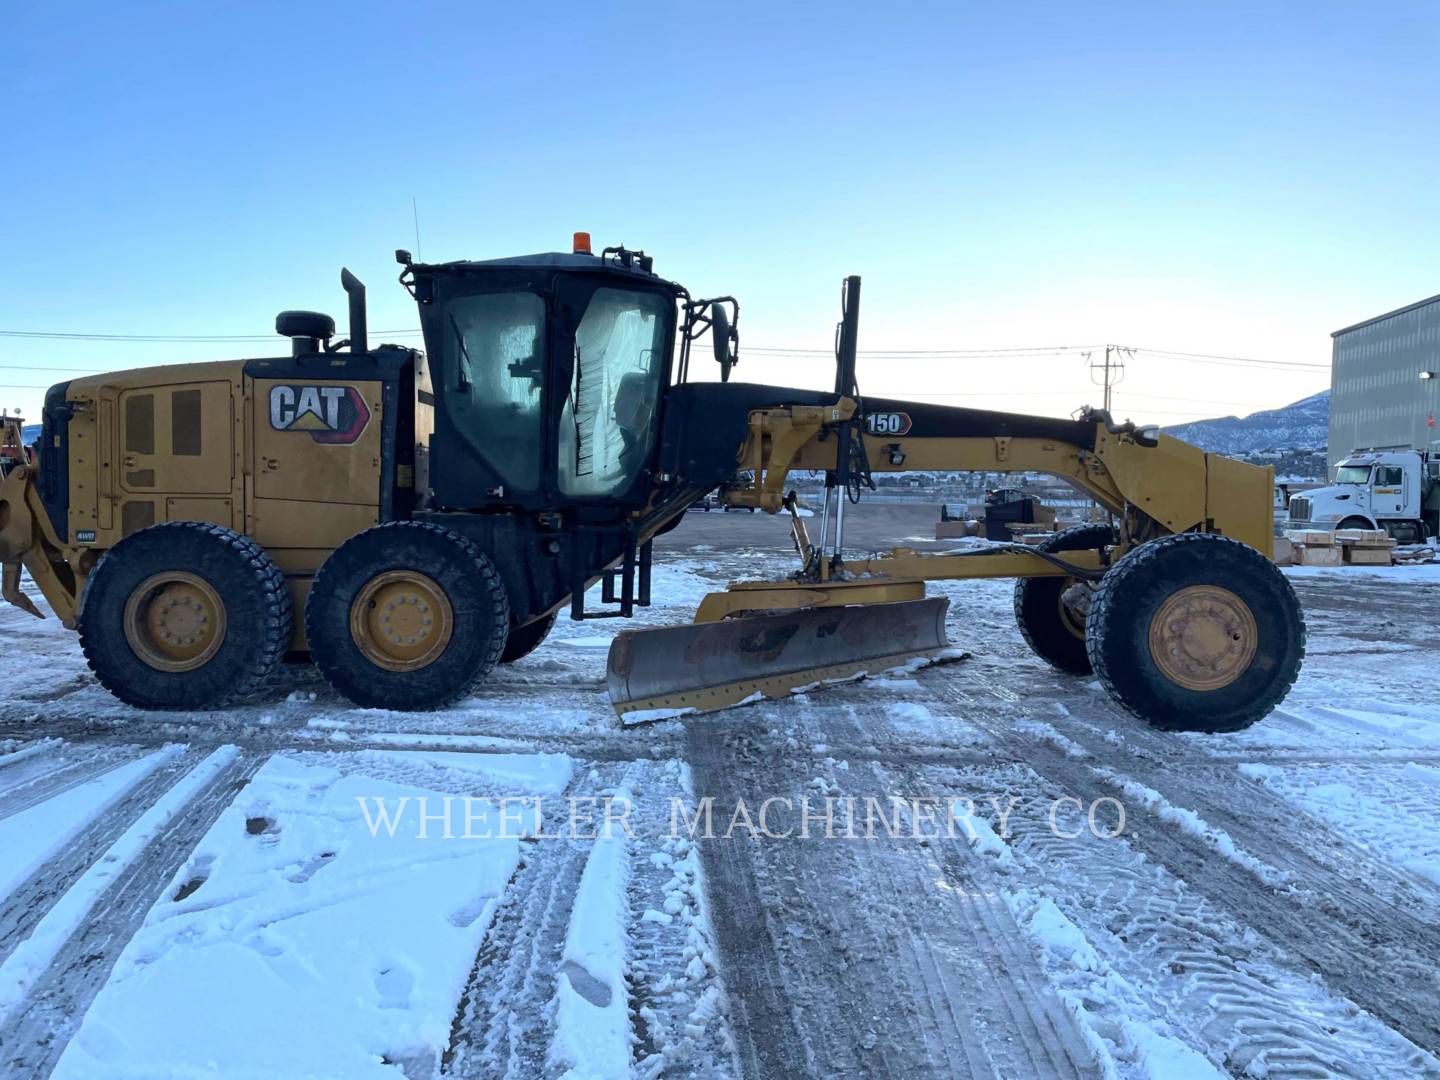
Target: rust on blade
{"points": [[704, 666]]}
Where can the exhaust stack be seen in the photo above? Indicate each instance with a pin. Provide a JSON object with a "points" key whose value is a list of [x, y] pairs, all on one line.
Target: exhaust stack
{"points": [[355, 290]]}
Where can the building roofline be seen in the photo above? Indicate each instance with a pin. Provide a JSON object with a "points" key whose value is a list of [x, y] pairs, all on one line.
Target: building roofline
{"points": [[1387, 315]]}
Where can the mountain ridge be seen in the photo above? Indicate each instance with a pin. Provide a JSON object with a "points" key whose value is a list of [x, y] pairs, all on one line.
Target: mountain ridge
{"points": [[1301, 425]]}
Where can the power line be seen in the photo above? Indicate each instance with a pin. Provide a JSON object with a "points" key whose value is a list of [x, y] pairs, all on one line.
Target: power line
{"points": [[779, 350], [920, 352], [1231, 361], [56, 335]]}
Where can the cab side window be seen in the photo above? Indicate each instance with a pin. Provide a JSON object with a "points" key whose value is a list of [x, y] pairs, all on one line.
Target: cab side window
{"points": [[1389, 476], [495, 352]]}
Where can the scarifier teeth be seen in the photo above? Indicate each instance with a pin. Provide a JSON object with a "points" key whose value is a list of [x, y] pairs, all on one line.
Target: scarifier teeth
{"points": [[672, 671]]}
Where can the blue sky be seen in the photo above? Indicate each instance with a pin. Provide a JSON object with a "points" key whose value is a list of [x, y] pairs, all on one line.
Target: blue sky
{"points": [[1211, 178]]}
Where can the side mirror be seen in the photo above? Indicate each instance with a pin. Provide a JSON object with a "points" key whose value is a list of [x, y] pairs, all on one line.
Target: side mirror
{"points": [[724, 340]]}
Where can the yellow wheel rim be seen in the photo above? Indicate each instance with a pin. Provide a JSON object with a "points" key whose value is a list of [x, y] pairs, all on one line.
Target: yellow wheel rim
{"points": [[174, 621], [1068, 619], [1203, 637], [401, 620]]}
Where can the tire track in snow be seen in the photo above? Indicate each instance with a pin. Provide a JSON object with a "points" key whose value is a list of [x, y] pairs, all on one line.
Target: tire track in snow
{"points": [[677, 998], [28, 904], [39, 778], [1344, 956], [15, 753], [649, 742], [36, 1033], [1009, 983], [842, 956], [1349, 883], [504, 1024], [501, 1026], [1230, 992], [768, 1037]]}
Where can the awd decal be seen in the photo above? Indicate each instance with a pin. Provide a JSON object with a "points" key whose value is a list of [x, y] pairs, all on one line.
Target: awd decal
{"points": [[887, 423], [328, 414]]}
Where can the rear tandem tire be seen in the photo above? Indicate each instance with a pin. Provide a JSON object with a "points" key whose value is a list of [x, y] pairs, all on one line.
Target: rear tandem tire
{"points": [[1196, 632], [523, 640], [184, 615], [407, 615], [1052, 633]]}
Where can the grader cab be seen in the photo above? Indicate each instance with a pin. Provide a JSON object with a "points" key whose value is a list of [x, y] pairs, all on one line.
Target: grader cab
{"points": [[410, 519]]}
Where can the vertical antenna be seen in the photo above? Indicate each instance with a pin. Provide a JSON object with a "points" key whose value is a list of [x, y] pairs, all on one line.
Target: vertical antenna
{"points": [[415, 213]]}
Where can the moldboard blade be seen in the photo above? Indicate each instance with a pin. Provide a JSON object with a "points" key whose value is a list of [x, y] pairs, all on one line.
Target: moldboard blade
{"points": [[699, 667]]}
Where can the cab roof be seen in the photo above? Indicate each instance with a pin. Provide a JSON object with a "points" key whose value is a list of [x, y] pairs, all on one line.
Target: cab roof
{"points": [[547, 260]]}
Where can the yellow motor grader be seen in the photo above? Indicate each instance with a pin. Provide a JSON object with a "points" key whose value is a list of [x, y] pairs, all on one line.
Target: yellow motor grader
{"points": [[410, 519]]}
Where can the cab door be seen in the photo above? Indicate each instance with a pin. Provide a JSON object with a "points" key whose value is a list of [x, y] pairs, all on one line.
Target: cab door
{"points": [[1388, 495], [609, 409]]}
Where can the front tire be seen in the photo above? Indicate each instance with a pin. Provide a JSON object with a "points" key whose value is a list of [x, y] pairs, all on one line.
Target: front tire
{"points": [[523, 640], [1053, 631], [1196, 632], [184, 615], [407, 616]]}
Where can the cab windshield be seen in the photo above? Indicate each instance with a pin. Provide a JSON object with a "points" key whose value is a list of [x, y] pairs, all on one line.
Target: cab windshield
{"points": [[1352, 474], [607, 424]]}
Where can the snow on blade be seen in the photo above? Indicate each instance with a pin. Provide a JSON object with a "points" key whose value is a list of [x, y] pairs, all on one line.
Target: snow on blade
{"points": [[36, 952], [299, 941], [28, 839], [592, 1017]]}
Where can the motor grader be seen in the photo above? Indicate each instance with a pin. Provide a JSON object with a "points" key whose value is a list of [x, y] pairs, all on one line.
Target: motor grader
{"points": [[410, 519]]}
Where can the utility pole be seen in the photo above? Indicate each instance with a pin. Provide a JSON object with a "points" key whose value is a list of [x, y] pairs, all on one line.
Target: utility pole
{"points": [[1112, 370]]}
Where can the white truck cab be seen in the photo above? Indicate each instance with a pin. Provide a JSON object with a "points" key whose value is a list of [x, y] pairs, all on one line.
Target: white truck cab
{"points": [[1394, 490]]}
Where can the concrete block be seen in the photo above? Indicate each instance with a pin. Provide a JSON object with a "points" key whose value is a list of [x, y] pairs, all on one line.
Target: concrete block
{"points": [[1367, 556], [1313, 555], [952, 530], [1361, 536]]}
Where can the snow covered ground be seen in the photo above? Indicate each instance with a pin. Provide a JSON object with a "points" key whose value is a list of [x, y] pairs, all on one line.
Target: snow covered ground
{"points": [[980, 868]]}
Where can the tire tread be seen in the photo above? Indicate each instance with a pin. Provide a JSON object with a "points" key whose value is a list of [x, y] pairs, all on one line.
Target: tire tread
{"points": [[1093, 534], [490, 580], [1138, 562], [274, 593]]}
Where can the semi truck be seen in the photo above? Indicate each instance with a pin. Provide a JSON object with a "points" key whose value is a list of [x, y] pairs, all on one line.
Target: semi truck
{"points": [[1394, 490]]}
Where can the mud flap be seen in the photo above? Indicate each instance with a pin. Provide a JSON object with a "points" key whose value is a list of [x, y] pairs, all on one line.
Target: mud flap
{"points": [[671, 671]]}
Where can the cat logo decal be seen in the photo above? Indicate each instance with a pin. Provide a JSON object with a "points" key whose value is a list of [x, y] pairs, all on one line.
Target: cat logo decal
{"points": [[328, 414]]}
